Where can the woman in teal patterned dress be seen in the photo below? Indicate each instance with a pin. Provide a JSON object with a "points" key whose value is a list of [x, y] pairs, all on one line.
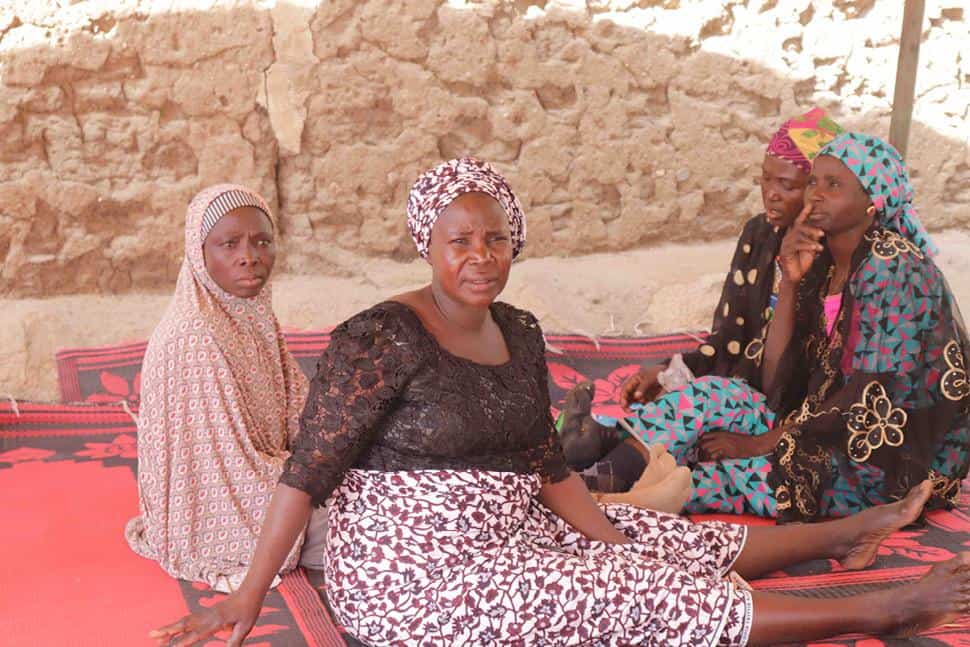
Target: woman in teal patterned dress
{"points": [[859, 388], [605, 456]]}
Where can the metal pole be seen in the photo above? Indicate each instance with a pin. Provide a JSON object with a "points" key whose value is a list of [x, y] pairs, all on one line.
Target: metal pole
{"points": [[906, 75]]}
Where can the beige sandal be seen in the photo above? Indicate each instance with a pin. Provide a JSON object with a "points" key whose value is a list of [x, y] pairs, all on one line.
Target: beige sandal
{"points": [[668, 494]]}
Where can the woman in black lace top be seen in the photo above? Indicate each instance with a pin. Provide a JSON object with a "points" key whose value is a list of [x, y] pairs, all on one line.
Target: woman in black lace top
{"points": [[406, 403], [453, 518]]}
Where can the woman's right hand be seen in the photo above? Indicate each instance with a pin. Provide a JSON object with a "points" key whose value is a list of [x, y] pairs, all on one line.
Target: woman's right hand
{"points": [[641, 387], [287, 516], [237, 613], [799, 247]]}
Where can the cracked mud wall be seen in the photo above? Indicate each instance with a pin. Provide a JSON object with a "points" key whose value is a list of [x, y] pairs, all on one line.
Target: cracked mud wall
{"points": [[620, 123]]}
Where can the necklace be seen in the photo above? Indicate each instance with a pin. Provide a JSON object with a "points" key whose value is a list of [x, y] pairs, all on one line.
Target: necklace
{"points": [[836, 281]]}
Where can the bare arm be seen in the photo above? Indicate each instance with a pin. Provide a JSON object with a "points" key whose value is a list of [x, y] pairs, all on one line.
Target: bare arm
{"points": [[288, 514], [570, 500]]}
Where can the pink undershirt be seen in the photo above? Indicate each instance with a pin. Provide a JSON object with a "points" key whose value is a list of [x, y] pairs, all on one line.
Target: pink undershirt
{"points": [[831, 305]]}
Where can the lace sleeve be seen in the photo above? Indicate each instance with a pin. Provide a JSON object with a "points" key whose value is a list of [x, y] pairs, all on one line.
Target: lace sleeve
{"points": [[547, 459], [359, 379]]}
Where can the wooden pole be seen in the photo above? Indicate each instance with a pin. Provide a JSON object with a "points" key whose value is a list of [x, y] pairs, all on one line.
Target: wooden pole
{"points": [[906, 66]]}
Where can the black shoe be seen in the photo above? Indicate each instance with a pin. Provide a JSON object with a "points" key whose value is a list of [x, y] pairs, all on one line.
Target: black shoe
{"points": [[584, 441], [576, 406]]}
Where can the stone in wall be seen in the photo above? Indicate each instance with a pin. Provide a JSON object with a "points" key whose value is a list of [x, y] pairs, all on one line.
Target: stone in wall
{"points": [[619, 123], [119, 117]]}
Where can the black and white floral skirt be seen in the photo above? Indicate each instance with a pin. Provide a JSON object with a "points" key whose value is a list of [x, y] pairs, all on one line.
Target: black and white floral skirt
{"points": [[444, 557]]}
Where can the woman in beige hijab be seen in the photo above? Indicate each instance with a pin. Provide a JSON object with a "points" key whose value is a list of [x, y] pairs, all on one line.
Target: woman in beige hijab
{"points": [[221, 399]]}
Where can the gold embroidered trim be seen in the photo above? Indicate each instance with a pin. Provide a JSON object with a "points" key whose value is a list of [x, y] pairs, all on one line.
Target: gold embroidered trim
{"points": [[944, 487], [874, 422], [954, 383], [782, 497], [888, 244]]}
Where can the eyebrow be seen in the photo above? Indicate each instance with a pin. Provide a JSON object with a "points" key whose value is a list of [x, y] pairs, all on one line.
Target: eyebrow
{"points": [[824, 176], [781, 176]]}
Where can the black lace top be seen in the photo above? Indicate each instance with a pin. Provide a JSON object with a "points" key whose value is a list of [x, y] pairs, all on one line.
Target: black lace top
{"points": [[388, 397]]}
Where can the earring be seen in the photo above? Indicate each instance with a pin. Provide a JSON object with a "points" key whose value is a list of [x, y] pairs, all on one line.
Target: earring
{"points": [[871, 210]]}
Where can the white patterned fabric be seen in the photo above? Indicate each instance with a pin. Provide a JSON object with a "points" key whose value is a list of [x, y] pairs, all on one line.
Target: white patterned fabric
{"points": [[442, 185], [469, 557], [221, 399]]}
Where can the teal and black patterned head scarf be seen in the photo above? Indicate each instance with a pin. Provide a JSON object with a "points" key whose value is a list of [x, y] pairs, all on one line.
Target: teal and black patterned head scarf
{"points": [[883, 175]]}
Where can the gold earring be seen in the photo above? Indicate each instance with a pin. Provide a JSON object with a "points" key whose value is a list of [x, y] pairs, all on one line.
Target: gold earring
{"points": [[871, 210]]}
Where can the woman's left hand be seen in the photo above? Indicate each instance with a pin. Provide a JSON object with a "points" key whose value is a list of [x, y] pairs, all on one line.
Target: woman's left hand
{"points": [[718, 445]]}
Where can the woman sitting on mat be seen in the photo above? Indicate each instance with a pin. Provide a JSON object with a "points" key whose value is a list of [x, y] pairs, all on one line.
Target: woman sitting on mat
{"points": [[864, 362], [221, 398], [454, 519], [607, 457]]}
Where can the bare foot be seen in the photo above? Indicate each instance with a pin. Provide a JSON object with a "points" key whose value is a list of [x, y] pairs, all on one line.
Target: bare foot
{"points": [[660, 465], [873, 526], [940, 597], [669, 495]]}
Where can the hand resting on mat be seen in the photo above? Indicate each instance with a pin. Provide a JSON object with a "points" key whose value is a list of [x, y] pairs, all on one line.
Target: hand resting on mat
{"points": [[237, 612]]}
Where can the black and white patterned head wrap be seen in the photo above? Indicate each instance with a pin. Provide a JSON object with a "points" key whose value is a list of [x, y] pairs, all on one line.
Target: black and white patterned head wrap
{"points": [[442, 185]]}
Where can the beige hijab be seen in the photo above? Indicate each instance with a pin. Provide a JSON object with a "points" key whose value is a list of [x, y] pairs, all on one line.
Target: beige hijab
{"points": [[221, 399]]}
